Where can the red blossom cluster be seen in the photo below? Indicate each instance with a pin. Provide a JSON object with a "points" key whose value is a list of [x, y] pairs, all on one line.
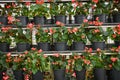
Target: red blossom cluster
{"points": [[95, 1], [40, 2], [58, 23], [88, 50], [5, 29], [5, 76], [8, 57]]}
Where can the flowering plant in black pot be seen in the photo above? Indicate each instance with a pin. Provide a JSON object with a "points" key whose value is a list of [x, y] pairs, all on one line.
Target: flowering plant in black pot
{"points": [[114, 34], [43, 38], [36, 61], [58, 61]]}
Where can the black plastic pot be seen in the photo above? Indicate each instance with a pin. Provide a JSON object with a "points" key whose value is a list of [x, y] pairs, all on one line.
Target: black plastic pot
{"points": [[4, 20], [23, 46], [18, 74], [116, 17], [39, 20], [96, 45], [80, 75], [59, 74], [44, 46], [99, 74], [4, 47], [61, 18], [60, 46], [79, 19], [78, 46], [1, 74], [114, 74], [102, 17], [23, 20], [37, 76], [117, 43]]}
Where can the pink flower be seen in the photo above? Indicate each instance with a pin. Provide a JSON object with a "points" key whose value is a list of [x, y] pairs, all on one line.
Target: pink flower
{"points": [[85, 20], [27, 3], [87, 62], [39, 51], [33, 48], [56, 54], [26, 52], [8, 54], [113, 59], [11, 19], [74, 75], [95, 1], [30, 25], [39, 2]]}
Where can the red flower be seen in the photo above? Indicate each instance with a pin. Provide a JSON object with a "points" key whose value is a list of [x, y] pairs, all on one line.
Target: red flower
{"points": [[73, 1], [75, 29], [98, 50], [51, 31], [85, 20], [69, 30], [26, 52], [114, 35], [113, 59], [56, 55], [11, 19], [39, 51], [95, 1], [110, 65], [87, 62], [27, 3], [33, 48], [58, 23], [8, 54], [39, 2], [30, 25]]}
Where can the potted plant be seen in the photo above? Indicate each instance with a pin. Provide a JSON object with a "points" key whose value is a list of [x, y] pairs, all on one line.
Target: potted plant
{"points": [[3, 15], [113, 64], [82, 63], [101, 9], [58, 64], [2, 68], [59, 11], [78, 37], [17, 66], [98, 60], [5, 40], [36, 63], [43, 38], [39, 13], [81, 11], [60, 37], [23, 38], [21, 12], [116, 11], [7, 65], [97, 35], [114, 34]]}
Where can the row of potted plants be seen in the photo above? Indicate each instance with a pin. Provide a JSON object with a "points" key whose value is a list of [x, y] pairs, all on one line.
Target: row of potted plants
{"points": [[60, 37], [33, 63], [40, 11]]}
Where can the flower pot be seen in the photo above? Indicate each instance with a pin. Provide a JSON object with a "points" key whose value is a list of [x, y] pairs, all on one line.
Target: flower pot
{"points": [[37, 76], [44, 46], [61, 18], [1, 74], [23, 20], [99, 74], [60, 46], [79, 19], [18, 74], [78, 46], [100, 45], [23, 46], [39, 20], [4, 47], [102, 17], [59, 74], [116, 17], [117, 43], [114, 74], [80, 75], [4, 20]]}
